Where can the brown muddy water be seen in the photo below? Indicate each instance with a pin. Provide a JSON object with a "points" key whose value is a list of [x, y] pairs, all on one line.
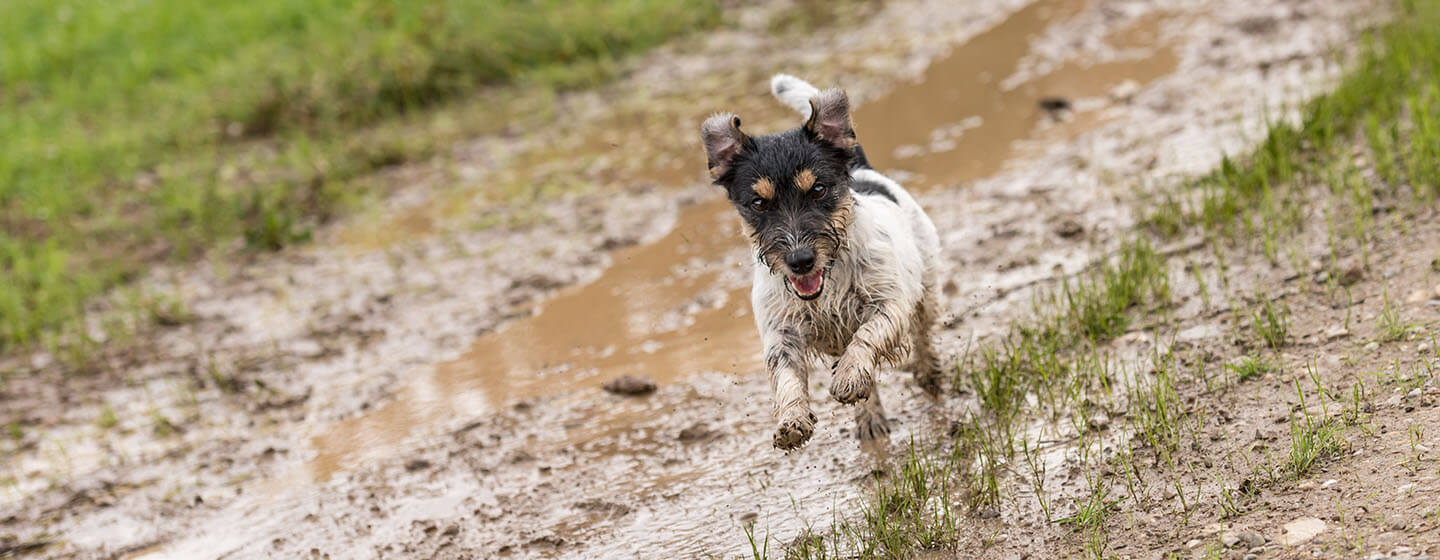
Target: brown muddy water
{"points": [[672, 308]]}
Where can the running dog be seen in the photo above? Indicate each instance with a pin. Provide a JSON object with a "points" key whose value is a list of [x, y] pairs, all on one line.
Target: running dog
{"points": [[845, 259]]}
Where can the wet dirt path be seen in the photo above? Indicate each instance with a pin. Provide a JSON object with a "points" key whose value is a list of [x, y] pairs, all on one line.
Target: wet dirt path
{"points": [[430, 387], [643, 317]]}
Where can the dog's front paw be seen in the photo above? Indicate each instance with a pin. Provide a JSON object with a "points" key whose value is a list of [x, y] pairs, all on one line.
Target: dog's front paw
{"points": [[851, 384], [794, 431]]}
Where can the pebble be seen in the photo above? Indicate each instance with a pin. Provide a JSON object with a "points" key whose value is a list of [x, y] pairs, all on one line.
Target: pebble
{"points": [[1329, 483], [1373, 346], [1248, 540], [1417, 296], [1301, 531], [627, 385], [1336, 332], [1413, 394], [1353, 273]]}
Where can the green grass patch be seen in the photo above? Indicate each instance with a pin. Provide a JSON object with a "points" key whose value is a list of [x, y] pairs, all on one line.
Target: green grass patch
{"points": [[1389, 101], [138, 130]]}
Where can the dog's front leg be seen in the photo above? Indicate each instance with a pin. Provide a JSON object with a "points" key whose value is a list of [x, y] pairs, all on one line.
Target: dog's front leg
{"points": [[785, 361], [879, 338]]}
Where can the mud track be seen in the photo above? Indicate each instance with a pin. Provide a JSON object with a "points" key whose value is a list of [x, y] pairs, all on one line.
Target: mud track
{"points": [[426, 382]]}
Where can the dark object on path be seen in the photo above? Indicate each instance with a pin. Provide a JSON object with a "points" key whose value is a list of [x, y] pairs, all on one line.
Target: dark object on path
{"points": [[1055, 104], [1069, 228], [627, 385]]}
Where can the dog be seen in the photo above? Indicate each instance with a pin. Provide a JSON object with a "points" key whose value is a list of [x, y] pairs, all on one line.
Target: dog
{"points": [[845, 259]]}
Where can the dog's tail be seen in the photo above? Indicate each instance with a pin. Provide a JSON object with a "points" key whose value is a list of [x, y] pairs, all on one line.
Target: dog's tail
{"points": [[793, 92], [796, 93]]}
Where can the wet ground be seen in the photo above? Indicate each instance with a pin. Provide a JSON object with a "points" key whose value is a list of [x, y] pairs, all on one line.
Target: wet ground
{"points": [[428, 382]]}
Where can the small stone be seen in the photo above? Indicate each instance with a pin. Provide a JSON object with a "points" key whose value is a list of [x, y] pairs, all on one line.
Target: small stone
{"points": [[1251, 557], [1329, 483], [628, 385], [1068, 228], [1405, 487], [695, 432], [416, 465], [1242, 539], [1417, 296], [1301, 531], [1373, 346], [1055, 104], [1353, 273], [1336, 332], [1193, 543], [1413, 394], [1125, 91]]}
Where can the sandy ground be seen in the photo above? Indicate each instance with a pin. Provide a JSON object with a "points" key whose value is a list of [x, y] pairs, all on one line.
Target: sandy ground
{"points": [[385, 391]]}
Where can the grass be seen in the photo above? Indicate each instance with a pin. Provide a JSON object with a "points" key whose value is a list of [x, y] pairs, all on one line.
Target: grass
{"points": [[1389, 98], [141, 130], [911, 509], [1252, 367], [1272, 323]]}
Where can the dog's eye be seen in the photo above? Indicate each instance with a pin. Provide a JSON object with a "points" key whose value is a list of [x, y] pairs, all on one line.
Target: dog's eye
{"points": [[759, 205], [817, 191]]}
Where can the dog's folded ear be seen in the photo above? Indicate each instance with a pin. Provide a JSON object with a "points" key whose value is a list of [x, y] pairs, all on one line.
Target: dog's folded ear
{"points": [[723, 141], [830, 118]]}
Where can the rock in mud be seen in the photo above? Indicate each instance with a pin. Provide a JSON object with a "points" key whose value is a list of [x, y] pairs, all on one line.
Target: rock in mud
{"points": [[1242, 539], [1054, 104], [1353, 273], [628, 385], [695, 432], [417, 465], [1069, 228], [1301, 531]]}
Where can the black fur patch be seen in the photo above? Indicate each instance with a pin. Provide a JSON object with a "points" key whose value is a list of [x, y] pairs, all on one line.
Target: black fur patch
{"points": [[872, 187], [793, 218]]}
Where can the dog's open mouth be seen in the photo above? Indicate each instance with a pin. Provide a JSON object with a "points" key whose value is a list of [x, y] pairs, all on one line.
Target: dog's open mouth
{"points": [[809, 285]]}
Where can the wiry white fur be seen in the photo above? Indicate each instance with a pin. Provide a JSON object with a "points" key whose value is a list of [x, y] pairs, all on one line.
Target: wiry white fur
{"points": [[877, 305], [793, 92]]}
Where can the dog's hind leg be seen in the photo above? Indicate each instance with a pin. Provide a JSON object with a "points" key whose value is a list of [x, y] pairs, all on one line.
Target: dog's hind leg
{"points": [[925, 363], [871, 426], [789, 374]]}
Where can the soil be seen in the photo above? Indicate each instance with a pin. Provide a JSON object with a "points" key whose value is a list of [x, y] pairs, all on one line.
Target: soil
{"points": [[427, 380]]}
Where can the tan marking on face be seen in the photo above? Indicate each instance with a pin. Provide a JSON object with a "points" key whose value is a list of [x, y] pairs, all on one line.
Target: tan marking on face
{"points": [[804, 180], [764, 188]]}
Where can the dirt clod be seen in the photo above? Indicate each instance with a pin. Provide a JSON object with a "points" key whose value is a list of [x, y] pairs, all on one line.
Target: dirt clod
{"points": [[1353, 273], [630, 385], [695, 432], [1069, 228]]}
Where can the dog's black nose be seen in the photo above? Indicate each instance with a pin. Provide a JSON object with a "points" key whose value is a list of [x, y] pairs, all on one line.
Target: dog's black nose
{"points": [[800, 260]]}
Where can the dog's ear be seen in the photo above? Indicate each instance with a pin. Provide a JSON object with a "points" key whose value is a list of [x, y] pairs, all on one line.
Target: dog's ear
{"points": [[830, 118], [723, 141]]}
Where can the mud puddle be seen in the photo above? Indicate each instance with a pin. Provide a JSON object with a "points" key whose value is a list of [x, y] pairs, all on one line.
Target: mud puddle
{"points": [[679, 306]]}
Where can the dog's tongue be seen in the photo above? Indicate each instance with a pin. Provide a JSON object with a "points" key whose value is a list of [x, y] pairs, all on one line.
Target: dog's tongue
{"points": [[807, 284]]}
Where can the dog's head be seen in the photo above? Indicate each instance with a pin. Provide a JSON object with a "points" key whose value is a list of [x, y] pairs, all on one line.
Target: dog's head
{"points": [[792, 189]]}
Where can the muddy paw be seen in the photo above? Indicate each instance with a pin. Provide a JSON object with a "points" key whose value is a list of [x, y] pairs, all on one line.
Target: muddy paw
{"points": [[872, 427], [850, 386], [794, 432]]}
